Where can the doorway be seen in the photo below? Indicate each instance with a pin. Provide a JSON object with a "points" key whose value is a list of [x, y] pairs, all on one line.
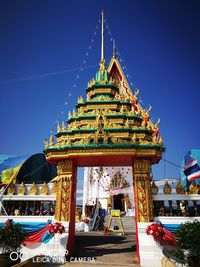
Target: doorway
{"points": [[118, 201]]}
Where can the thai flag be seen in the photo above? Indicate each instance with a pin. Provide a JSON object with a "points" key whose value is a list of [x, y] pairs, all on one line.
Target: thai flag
{"points": [[191, 168]]}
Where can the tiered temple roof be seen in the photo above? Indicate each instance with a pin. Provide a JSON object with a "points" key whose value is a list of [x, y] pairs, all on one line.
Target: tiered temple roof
{"points": [[110, 117]]}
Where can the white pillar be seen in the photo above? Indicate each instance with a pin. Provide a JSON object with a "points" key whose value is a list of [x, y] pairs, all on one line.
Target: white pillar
{"points": [[85, 188]]}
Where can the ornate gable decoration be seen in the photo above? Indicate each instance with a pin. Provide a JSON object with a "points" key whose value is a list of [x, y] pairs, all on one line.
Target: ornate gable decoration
{"points": [[109, 118]]}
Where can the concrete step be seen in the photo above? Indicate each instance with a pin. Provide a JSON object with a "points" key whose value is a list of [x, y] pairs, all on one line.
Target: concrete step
{"points": [[128, 223]]}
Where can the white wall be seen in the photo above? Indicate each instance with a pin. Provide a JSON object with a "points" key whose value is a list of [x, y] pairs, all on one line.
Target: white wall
{"points": [[55, 247], [95, 189], [150, 251]]}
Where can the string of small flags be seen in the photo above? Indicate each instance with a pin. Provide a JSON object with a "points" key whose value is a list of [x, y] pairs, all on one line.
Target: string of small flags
{"points": [[77, 77], [125, 70], [103, 176]]}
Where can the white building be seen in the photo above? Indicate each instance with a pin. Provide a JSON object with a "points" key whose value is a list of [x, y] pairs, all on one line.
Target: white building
{"points": [[111, 186]]}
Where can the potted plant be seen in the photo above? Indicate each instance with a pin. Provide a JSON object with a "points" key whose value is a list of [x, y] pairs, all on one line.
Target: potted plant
{"points": [[188, 244], [12, 237]]}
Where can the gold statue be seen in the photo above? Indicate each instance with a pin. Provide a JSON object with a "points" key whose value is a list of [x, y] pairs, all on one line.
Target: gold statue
{"points": [[154, 188], [33, 189], [11, 190], [54, 188], [22, 189], [44, 189], [180, 188], [167, 188], [193, 189]]}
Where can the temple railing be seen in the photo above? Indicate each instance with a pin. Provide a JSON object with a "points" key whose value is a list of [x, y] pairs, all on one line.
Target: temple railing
{"points": [[177, 205], [27, 205]]}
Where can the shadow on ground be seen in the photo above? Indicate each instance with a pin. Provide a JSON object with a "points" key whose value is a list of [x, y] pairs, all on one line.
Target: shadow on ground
{"points": [[87, 245]]}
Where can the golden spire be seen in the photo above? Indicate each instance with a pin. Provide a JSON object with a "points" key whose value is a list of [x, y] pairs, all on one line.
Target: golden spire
{"points": [[102, 61], [102, 35]]}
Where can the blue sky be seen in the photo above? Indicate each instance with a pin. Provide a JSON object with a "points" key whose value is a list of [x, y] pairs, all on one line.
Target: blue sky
{"points": [[158, 41]]}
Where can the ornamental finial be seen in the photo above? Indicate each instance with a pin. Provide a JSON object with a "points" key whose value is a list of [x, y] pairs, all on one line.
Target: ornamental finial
{"points": [[58, 128], [102, 35], [102, 61], [51, 141]]}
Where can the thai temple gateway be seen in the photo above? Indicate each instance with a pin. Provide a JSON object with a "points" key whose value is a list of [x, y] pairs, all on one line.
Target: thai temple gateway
{"points": [[114, 139]]}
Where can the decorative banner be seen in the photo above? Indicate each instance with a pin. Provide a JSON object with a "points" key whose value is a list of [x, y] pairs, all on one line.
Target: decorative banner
{"points": [[161, 234], [80, 70], [38, 232], [111, 181]]}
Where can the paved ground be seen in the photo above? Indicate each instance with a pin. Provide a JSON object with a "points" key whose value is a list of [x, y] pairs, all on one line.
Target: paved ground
{"points": [[111, 250], [96, 249]]}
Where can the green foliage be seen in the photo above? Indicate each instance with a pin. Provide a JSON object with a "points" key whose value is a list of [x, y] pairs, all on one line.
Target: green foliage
{"points": [[11, 237], [188, 242]]}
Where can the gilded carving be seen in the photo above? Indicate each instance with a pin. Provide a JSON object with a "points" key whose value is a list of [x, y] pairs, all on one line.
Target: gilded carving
{"points": [[80, 99], [142, 181], [180, 188], [167, 188], [193, 189], [74, 113], [58, 128], [64, 128], [160, 140], [103, 119], [54, 188], [114, 125], [127, 125], [141, 166], [33, 190], [64, 167], [22, 189], [154, 188], [80, 111], [51, 141], [122, 109], [91, 83], [44, 189], [64, 187], [134, 138], [11, 189]]}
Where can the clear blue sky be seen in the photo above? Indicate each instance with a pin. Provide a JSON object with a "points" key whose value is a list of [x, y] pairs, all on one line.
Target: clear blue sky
{"points": [[159, 42]]}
